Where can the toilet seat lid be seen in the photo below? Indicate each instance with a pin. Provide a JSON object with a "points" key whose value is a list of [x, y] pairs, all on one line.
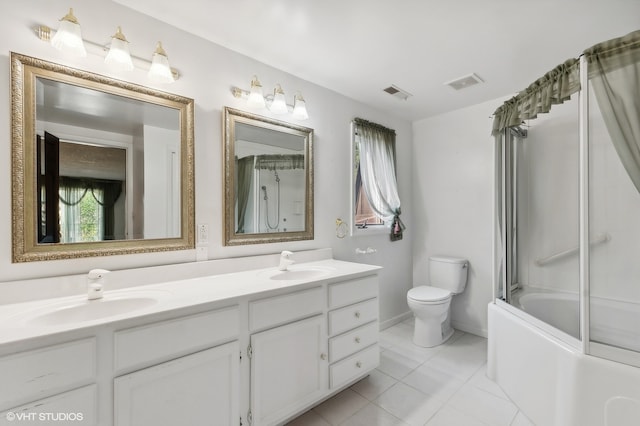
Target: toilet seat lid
{"points": [[426, 293]]}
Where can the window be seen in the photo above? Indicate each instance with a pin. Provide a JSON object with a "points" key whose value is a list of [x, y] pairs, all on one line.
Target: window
{"points": [[375, 201]]}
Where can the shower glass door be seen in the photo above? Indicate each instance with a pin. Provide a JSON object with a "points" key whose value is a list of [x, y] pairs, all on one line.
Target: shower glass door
{"points": [[540, 168], [614, 228]]}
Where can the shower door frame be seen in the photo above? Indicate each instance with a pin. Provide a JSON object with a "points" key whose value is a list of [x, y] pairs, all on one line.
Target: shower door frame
{"points": [[504, 251]]}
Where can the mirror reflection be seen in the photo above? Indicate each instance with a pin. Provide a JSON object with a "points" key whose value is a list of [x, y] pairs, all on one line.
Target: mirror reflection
{"points": [[107, 165], [87, 143], [268, 180]]}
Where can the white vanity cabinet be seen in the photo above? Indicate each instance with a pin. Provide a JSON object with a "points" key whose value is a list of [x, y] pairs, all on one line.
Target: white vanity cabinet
{"points": [[201, 388], [198, 389], [288, 362], [50, 384], [353, 329], [237, 350], [321, 339]]}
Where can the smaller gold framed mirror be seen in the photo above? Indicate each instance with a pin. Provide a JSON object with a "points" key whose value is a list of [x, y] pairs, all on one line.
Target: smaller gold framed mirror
{"points": [[268, 180]]}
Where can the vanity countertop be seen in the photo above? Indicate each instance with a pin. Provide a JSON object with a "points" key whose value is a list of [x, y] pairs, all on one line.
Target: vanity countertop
{"points": [[27, 320]]}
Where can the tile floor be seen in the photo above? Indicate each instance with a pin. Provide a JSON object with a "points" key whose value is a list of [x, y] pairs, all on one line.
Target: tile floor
{"points": [[441, 386]]}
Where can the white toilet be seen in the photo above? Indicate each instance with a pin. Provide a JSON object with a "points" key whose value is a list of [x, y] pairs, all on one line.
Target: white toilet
{"points": [[430, 303]]}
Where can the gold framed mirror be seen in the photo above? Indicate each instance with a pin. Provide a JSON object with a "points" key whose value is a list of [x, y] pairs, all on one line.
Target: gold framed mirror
{"points": [[268, 180], [99, 166]]}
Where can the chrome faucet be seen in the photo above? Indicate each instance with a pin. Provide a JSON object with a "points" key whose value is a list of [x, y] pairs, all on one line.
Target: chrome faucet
{"points": [[95, 283], [285, 260]]}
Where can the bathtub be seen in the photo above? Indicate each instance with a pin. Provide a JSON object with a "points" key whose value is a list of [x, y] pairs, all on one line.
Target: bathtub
{"points": [[544, 371], [613, 322]]}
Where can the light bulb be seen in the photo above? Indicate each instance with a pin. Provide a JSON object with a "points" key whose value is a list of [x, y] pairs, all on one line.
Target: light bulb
{"points": [[160, 70], [279, 104], [118, 56], [68, 38]]}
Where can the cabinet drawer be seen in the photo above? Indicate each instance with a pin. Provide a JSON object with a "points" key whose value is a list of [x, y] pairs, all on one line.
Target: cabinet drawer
{"points": [[31, 375], [352, 316], [146, 345], [352, 291], [353, 341], [342, 372], [78, 406], [272, 311]]}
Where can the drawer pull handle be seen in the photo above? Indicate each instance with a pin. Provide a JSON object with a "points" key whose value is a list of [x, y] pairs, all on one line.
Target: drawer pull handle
{"points": [[323, 356], [357, 339], [358, 364], [357, 314]]}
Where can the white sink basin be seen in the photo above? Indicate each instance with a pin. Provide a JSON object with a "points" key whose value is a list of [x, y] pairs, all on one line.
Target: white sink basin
{"points": [[298, 273], [84, 310]]}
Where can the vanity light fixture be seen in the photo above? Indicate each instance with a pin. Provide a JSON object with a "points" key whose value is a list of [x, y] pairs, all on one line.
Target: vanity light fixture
{"points": [[279, 104], [160, 71], [69, 36], [119, 56], [256, 98], [276, 102], [299, 107]]}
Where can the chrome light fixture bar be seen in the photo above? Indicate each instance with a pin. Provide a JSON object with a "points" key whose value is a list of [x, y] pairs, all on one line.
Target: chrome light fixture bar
{"points": [[276, 102], [68, 38]]}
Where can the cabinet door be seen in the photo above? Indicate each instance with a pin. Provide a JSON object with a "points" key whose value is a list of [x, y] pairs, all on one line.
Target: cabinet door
{"points": [[289, 369], [198, 389]]}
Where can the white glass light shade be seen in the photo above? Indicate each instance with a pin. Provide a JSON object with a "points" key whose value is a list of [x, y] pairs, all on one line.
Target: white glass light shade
{"points": [[279, 104], [256, 98], [118, 56], [160, 70], [299, 108], [68, 38]]}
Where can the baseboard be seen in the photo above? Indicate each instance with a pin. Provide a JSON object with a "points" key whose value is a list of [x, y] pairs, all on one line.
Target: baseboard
{"points": [[395, 320], [470, 328]]}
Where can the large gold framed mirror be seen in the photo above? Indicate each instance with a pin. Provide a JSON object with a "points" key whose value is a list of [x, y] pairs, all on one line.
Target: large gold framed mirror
{"points": [[268, 180], [99, 166]]}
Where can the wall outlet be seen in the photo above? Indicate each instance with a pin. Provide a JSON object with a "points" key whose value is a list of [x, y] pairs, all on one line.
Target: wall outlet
{"points": [[203, 233]]}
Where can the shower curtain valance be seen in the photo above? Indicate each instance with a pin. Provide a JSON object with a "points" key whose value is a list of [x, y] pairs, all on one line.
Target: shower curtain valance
{"points": [[553, 88], [280, 162], [559, 84]]}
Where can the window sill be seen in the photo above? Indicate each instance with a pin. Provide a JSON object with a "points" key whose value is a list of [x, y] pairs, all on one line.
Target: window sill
{"points": [[370, 230]]}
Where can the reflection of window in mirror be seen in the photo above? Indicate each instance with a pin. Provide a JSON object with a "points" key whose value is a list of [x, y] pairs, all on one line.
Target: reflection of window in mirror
{"points": [[82, 191]]}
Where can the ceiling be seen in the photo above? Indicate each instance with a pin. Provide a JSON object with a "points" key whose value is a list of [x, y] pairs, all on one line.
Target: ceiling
{"points": [[360, 47]]}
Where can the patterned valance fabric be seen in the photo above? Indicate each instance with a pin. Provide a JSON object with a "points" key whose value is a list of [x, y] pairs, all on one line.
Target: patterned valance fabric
{"points": [[280, 162], [555, 87]]}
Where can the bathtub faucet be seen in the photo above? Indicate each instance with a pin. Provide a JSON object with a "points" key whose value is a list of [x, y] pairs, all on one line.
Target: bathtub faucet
{"points": [[285, 260]]}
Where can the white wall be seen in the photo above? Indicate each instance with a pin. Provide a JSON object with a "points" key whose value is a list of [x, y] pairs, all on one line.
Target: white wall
{"points": [[453, 190], [207, 73]]}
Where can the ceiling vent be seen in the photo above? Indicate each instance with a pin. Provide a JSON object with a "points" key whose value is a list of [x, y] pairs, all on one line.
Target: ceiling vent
{"points": [[397, 92], [464, 82]]}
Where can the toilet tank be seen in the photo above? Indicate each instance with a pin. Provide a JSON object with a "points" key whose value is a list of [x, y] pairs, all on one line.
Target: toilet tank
{"points": [[449, 273]]}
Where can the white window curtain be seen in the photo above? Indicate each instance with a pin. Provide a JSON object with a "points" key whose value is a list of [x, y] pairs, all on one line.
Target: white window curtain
{"points": [[378, 170]]}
